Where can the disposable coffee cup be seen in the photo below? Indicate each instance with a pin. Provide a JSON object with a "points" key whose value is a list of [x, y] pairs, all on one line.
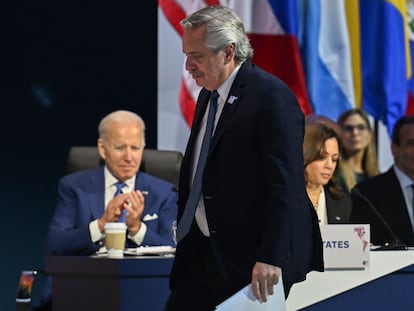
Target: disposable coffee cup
{"points": [[115, 235]]}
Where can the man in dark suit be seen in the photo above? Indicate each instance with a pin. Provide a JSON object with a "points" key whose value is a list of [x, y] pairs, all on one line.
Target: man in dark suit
{"points": [[253, 222], [390, 193], [86, 199]]}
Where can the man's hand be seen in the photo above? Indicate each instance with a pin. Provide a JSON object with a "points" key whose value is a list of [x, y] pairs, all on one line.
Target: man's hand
{"points": [[113, 210], [135, 207], [264, 277]]}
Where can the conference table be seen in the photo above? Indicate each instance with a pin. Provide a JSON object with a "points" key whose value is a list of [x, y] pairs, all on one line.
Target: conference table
{"points": [[387, 284], [100, 283], [141, 283]]}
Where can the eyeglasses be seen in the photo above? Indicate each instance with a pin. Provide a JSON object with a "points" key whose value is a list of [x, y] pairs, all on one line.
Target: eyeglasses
{"points": [[351, 128]]}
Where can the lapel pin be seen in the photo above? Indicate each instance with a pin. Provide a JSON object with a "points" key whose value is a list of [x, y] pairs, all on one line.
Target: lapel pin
{"points": [[232, 99]]}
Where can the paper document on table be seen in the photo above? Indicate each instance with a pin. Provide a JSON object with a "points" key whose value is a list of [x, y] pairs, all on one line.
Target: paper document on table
{"points": [[150, 250], [244, 300]]}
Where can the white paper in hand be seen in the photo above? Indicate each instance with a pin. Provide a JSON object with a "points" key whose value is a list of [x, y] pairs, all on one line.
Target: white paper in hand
{"points": [[244, 300]]}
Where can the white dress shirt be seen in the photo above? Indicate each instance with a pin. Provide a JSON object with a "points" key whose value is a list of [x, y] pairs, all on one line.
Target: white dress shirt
{"points": [[321, 209], [405, 183]]}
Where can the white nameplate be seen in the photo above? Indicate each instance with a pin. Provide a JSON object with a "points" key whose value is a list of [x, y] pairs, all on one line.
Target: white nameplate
{"points": [[346, 247]]}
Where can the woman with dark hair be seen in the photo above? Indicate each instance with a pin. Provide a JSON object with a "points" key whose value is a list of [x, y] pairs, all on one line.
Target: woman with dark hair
{"points": [[359, 156], [321, 152]]}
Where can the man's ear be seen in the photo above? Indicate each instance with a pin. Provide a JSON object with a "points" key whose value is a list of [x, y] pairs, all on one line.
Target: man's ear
{"points": [[394, 150], [101, 148], [229, 53]]}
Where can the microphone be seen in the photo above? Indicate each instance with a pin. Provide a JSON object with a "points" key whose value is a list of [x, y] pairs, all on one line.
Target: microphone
{"points": [[395, 243]]}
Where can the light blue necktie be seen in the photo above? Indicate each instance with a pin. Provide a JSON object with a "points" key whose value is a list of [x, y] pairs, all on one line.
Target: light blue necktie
{"points": [[195, 193], [119, 185]]}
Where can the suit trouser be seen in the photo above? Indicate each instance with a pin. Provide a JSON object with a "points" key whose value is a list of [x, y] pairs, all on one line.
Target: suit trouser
{"points": [[201, 287]]}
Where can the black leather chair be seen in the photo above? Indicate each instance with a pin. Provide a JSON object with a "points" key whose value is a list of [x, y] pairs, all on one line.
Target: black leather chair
{"points": [[164, 164]]}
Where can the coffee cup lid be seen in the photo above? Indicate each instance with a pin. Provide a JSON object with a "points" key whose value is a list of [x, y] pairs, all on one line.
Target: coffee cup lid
{"points": [[115, 225]]}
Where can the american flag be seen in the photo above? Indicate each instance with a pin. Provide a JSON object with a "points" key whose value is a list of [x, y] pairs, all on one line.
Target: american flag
{"points": [[273, 37]]}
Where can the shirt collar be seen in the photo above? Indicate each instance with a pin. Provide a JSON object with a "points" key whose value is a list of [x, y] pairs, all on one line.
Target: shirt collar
{"points": [[404, 180], [224, 89], [110, 180]]}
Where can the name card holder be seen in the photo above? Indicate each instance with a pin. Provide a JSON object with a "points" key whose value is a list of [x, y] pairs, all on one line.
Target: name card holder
{"points": [[346, 247]]}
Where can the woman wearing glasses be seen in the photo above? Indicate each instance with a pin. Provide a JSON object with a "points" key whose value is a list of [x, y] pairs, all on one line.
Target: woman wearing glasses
{"points": [[359, 157]]}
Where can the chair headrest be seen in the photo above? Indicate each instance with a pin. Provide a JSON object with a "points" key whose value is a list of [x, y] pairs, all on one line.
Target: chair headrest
{"points": [[164, 164]]}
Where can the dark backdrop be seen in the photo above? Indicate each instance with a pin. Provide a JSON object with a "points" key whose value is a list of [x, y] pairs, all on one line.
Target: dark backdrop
{"points": [[66, 64]]}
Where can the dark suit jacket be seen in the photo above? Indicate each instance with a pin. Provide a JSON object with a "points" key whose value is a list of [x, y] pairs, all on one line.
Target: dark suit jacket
{"points": [[338, 209], [253, 184], [385, 194], [81, 198]]}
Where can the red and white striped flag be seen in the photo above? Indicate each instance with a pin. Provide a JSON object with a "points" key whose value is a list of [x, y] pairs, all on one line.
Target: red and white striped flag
{"points": [[272, 29]]}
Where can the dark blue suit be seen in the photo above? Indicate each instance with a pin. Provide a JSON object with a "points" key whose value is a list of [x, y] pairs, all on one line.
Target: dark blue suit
{"points": [[253, 185], [385, 194], [81, 200]]}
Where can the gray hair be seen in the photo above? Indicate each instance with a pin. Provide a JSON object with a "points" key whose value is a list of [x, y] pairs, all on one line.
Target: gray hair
{"points": [[223, 27], [120, 116]]}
